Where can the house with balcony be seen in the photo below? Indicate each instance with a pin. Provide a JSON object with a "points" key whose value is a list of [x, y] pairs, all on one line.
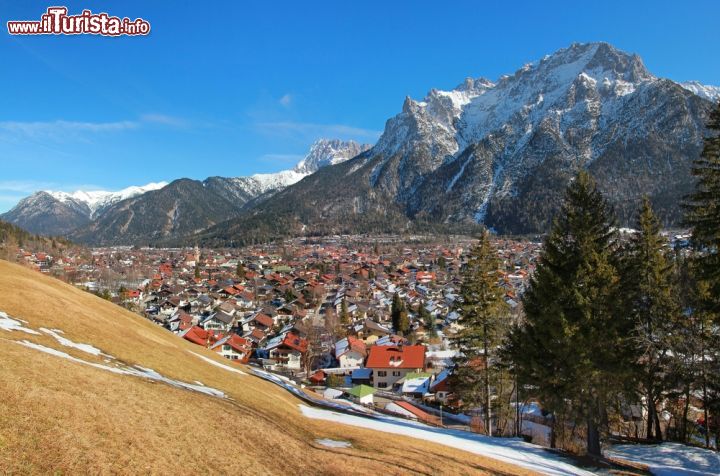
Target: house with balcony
{"points": [[391, 363]]}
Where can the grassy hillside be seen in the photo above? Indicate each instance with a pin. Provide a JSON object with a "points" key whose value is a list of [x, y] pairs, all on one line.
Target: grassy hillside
{"points": [[66, 417]]}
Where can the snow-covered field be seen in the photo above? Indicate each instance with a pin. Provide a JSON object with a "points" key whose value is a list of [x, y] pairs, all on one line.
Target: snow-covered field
{"points": [[670, 459], [511, 450]]}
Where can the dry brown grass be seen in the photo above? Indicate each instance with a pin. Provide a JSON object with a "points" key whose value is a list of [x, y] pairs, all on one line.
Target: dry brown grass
{"points": [[58, 416]]}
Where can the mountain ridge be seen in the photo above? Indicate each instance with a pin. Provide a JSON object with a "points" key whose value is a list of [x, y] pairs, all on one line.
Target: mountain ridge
{"points": [[492, 153], [148, 213], [501, 153]]}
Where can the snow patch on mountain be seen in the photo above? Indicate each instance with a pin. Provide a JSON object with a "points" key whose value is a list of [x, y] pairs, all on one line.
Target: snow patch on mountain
{"points": [[711, 93], [323, 152], [99, 199], [326, 152], [277, 180]]}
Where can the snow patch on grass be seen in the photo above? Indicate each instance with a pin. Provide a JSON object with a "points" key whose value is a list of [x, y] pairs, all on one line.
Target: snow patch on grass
{"points": [[218, 364], [669, 459], [136, 371], [8, 324], [87, 348], [510, 450], [333, 443]]}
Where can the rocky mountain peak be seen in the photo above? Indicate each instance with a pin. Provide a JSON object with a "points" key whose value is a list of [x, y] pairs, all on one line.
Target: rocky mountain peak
{"points": [[329, 152]]}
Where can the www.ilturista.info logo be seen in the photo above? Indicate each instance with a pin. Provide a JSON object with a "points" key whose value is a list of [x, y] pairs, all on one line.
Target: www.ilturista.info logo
{"points": [[57, 22]]}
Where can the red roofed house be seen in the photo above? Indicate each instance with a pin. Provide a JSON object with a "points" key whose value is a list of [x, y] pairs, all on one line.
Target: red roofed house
{"points": [[288, 353], [262, 322], [234, 347], [318, 377], [425, 276], [409, 410], [230, 291], [390, 363], [350, 352], [198, 335]]}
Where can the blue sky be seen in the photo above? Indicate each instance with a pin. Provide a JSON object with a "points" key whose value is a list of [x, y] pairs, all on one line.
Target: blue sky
{"points": [[233, 88]]}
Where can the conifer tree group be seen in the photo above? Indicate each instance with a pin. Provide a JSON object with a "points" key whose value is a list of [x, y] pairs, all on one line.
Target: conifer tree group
{"points": [[610, 320]]}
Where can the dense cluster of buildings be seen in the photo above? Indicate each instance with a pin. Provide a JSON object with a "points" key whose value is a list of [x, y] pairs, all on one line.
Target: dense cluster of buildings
{"points": [[318, 310]]}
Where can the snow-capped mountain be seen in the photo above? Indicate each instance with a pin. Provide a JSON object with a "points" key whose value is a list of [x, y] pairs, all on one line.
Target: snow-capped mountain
{"points": [[496, 152], [99, 200], [157, 210], [328, 152], [323, 152], [711, 93], [501, 152], [58, 213]]}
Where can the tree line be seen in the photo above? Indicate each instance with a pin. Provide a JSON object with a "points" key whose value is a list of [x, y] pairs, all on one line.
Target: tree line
{"points": [[611, 321]]}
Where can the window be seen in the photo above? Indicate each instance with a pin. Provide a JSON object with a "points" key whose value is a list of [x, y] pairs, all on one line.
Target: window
{"points": [[382, 384], [382, 373], [396, 373], [226, 348]]}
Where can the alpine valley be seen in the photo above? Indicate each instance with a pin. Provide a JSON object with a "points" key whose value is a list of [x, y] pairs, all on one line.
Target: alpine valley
{"points": [[498, 153]]}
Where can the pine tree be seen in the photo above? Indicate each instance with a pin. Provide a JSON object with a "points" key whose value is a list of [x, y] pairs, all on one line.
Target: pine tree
{"points": [[240, 271], [344, 316], [427, 319], [703, 216], [652, 304], [197, 271], [483, 317], [403, 321], [575, 346], [395, 309], [703, 213]]}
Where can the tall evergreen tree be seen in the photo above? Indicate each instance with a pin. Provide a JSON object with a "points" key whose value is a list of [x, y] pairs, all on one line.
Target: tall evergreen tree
{"points": [[483, 317], [403, 325], [703, 213], [427, 319], [575, 343], [344, 316], [399, 315], [395, 309], [652, 304]]}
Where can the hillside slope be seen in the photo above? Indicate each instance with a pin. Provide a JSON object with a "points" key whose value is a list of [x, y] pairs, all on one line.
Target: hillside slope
{"points": [[66, 410]]}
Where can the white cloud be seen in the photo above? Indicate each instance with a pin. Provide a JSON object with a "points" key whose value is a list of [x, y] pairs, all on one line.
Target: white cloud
{"points": [[286, 100], [40, 129], [24, 186], [311, 131], [164, 119], [62, 129]]}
